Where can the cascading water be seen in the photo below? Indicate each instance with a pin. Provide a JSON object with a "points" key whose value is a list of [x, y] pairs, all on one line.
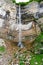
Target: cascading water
{"points": [[20, 31]]}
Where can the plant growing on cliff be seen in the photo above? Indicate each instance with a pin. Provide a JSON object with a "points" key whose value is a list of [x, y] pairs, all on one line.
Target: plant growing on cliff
{"points": [[38, 44], [25, 3]]}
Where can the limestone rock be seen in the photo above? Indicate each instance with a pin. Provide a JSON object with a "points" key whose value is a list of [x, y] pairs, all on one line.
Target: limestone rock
{"points": [[40, 21], [1, 22], [2, 42], [2, 2], [41, 4], [8, 6], [11, 29], [33, 7], [2, 12]]}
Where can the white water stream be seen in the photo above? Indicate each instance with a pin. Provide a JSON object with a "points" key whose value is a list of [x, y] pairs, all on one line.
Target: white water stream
{"points": [[20, 30]]}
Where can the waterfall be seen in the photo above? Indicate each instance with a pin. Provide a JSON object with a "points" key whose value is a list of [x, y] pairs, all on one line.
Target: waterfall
{"points": [[20, 30]]}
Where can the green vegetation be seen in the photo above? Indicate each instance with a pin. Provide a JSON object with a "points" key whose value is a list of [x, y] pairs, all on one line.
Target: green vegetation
{"points": [[21, 63], [21, 3], [36, 60], [25, 3], [37, 0], [2, 48], [37, 56], [38, 44], [39, 38]]}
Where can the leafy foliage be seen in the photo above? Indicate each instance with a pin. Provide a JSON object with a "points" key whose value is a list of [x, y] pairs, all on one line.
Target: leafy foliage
{"points": [[25, 3], [36, 60], [21, 63], [37, 47], [2, 48], [39, 38]]}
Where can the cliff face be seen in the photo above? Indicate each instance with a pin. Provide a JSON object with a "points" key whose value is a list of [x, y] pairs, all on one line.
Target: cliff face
{"points": [[32, 25], [9, 21]]}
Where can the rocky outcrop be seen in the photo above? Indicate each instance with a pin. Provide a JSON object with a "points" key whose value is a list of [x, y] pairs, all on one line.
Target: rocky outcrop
{"points": [[32, 7], [40, 22], [9, 28], [2, 42]]}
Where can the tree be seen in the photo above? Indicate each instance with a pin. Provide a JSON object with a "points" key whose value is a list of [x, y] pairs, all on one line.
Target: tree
{"points": [[14, 1]]}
